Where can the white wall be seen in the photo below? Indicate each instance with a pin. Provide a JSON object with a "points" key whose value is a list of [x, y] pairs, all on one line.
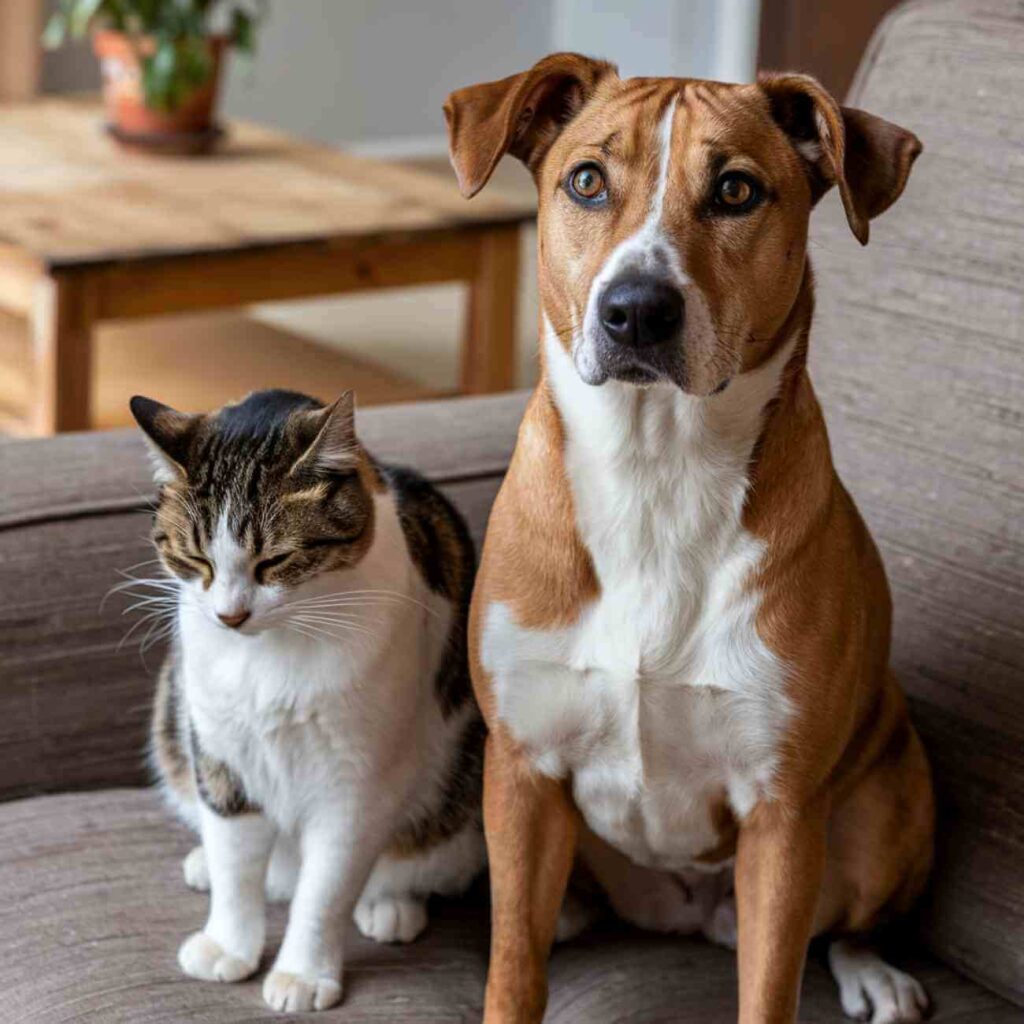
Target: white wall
{"points": [[376, 71], [345, 70], [689, 38]]}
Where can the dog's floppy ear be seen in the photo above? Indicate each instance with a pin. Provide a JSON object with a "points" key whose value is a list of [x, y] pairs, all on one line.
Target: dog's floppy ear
{"points": [[867, 157], [520, 115]]}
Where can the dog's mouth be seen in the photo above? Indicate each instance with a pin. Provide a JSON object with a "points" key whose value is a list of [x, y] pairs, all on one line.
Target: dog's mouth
{"points": [[643, 373], [639, 367]]}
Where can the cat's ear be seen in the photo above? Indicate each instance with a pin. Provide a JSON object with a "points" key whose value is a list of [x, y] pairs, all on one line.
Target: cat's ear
{"points": [[334, 448], [168, 436]]}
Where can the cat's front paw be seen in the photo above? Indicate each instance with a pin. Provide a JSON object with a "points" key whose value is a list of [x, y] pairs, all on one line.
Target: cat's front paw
{"points": [[296, 993], [193, 867], [202, 957], [391, 918]]}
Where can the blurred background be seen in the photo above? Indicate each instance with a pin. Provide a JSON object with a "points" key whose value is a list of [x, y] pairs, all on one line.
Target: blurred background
{"points": [[370, 78]]}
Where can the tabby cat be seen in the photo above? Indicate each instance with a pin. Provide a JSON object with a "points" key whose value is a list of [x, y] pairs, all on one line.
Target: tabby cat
{"points": [[314, 718]]}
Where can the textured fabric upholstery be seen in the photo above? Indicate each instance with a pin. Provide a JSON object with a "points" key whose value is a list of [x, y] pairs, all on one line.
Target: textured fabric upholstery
{"points": [[93, 907], [917, 357]]}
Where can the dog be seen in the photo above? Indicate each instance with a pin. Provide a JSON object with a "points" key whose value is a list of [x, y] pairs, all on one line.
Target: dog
{"points": [[680, 630]]}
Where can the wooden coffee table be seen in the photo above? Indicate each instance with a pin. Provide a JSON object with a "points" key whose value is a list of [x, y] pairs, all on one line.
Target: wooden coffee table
{"points": [[90, 232]]}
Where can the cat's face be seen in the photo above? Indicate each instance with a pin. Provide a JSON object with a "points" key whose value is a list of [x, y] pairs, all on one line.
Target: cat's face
{"points": [[258, 501]]}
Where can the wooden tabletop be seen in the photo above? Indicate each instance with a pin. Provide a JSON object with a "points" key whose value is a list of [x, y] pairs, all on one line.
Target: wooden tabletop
{"points": [[70, 196]]}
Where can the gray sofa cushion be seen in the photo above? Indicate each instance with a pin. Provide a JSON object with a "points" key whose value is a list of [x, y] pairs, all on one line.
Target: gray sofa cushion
{"points": [[916, 354], [93, 906]]}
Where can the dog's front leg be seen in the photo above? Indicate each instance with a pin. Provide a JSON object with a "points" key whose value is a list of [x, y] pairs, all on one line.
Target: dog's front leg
{"points": [[780, 862], [531, 828]]}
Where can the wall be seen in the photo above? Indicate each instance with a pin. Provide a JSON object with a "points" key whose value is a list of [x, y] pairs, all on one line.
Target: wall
{"points": [[691, 38], [376, 71], [380, 69]]}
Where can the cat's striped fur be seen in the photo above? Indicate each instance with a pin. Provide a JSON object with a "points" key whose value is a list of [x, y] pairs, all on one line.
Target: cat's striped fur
{"points": [[332, 715]]}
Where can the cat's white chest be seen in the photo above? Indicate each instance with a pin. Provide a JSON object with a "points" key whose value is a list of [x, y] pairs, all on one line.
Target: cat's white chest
{"points": [[302, 716], [282, 711], [661, 701]]}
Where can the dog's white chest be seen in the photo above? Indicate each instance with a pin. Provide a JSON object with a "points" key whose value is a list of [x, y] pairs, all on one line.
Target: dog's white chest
{"points": [[661, 701], [659, 707]]}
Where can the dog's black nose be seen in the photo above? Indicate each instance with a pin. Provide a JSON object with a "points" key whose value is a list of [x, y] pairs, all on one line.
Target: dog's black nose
{"points": [[642, 311]]}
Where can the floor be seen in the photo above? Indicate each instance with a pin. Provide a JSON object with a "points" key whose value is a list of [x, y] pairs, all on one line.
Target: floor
{"points": [[390, 346]]}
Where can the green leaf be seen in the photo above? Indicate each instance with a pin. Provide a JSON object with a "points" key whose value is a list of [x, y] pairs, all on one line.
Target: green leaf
{"points": [[195, 62], [82, 14], [55, 32], [158, 76], [243, 33]]}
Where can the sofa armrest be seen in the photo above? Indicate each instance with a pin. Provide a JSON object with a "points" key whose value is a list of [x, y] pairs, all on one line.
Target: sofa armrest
{"points": [[74, 695]]}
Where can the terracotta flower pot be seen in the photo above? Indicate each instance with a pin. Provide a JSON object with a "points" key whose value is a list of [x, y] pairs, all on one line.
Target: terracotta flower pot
{"points": [[124, 97]]}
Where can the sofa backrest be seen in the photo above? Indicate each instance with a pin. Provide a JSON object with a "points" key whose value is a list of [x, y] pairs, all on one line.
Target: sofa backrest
{"points": [[916, 356], [74, 696]]}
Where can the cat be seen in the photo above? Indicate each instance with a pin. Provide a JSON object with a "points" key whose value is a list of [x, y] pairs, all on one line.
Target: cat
{"points": [[314, 718]]}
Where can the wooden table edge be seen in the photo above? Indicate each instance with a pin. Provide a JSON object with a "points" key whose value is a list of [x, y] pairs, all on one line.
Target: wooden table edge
{"points": [[65, 300]]}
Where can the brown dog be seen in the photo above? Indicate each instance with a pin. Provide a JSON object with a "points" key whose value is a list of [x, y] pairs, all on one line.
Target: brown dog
{"points": [[680, 632]]}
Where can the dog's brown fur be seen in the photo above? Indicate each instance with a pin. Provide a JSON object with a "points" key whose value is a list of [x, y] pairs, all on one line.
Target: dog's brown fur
{"points": [[848, 839]]}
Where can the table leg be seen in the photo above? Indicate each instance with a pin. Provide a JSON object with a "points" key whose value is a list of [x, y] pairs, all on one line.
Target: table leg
{"points": [[62, 328], [489, 346]]}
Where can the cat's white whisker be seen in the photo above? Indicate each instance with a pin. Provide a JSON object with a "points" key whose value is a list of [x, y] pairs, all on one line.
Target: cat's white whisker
{"points": [[168, 603], [347, 625], [128, 569], [158, 586], [141, 621], [358, 597], [156, 633]]}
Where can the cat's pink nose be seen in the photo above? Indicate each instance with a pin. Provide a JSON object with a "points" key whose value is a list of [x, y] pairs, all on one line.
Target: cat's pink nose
{"points": [[234, 621]]}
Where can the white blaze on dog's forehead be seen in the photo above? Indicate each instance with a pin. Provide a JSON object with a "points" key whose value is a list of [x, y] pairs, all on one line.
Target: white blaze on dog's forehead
{"points": [[665, 160], [648, 250]]}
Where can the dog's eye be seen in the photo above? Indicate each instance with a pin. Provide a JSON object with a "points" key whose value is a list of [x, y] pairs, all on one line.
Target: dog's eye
{"points": [[736, 192], [264, 566], [586, 183]]}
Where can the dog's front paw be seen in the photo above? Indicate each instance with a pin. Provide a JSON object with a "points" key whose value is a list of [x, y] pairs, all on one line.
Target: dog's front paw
{"points": [[391, 918], [297, 993], [202, 957]]}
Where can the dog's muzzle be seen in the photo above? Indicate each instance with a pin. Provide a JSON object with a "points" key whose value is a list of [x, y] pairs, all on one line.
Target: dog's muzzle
{"points": [[641, 323]]}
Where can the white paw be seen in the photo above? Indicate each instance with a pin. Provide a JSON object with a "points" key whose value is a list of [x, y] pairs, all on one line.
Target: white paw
{"points": [[295, 993], [193, 867], [872, 990], [720, 926], [202, 957], [391, 918], [575, 917]]}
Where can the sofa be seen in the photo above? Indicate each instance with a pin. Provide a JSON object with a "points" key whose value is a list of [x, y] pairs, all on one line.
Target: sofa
{"points": [[917, 357]]}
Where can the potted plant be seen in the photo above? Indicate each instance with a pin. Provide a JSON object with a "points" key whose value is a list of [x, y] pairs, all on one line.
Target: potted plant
{"points": [[160, 61]]}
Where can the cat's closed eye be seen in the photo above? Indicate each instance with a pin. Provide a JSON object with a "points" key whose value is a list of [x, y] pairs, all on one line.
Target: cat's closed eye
{"points": [[331, 542], [265, 565]]}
